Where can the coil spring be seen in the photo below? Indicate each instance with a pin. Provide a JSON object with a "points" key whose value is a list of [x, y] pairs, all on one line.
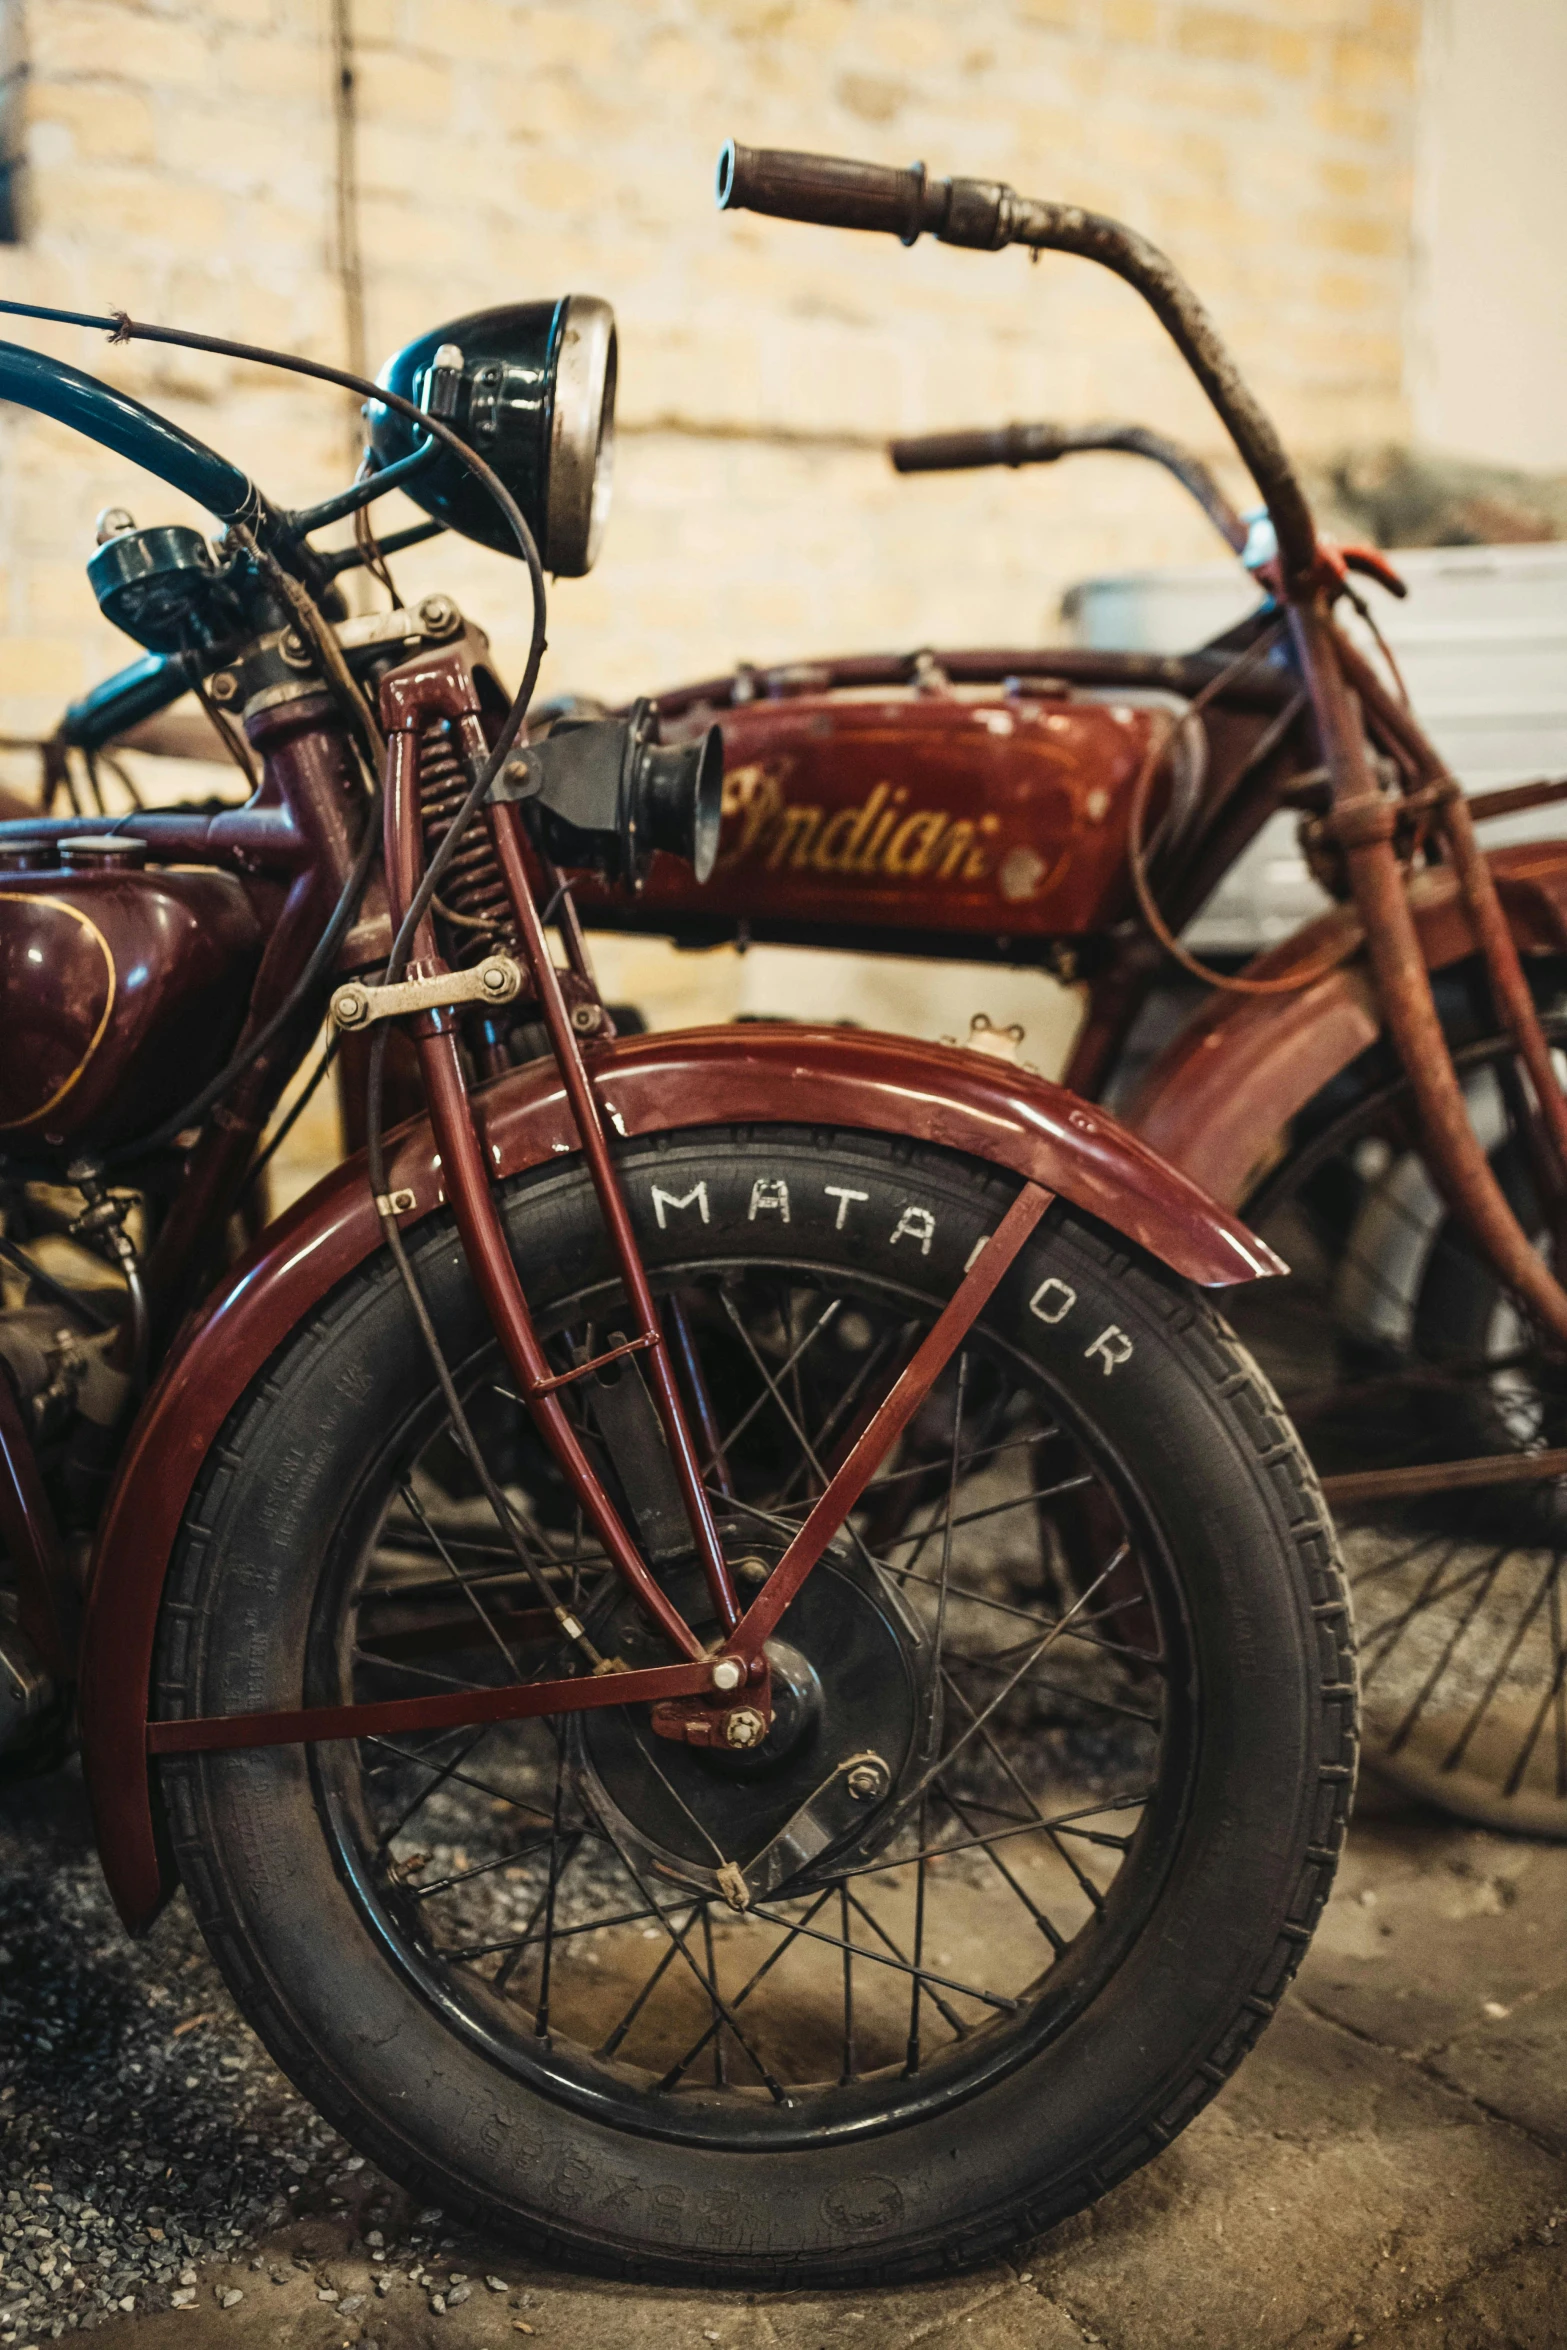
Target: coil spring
{"points": [[472, 885]]}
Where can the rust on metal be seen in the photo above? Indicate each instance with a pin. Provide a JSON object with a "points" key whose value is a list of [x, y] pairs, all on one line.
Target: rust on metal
{"points": [[1422, 1477]]}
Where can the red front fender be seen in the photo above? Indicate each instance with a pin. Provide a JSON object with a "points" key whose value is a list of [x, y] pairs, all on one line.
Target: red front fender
{"points": [[760, 1075]]}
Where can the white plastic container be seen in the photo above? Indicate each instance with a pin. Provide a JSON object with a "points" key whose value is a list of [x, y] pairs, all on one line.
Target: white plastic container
{"points": [[1481, 641]]}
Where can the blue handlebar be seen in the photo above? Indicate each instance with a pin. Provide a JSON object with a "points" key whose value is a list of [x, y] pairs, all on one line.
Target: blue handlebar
{"points": [[118, 422], [124, 700]]}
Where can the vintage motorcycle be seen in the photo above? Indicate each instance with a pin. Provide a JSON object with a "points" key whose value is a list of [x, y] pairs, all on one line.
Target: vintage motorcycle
{"points": [[1376, 1094], [744, 1679]]}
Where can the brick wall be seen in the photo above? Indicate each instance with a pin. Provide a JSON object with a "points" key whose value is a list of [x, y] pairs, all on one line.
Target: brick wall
{"points": [[182, 163], [182, 160]]}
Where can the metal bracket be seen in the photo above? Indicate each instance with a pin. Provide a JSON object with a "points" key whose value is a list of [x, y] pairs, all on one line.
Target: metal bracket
{"points": [[825, 1818], [494, 981]]}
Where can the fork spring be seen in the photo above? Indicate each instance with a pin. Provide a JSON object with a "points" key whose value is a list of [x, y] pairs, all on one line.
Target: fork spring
{"points": [[472, 885]]}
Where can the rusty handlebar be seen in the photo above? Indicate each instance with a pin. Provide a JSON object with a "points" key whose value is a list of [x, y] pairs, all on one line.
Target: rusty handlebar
{"points": [[1345, 693], [987, 214], [1045, 444]]}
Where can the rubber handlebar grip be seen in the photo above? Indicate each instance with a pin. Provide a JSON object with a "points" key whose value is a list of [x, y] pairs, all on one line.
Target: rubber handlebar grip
{"points": [[957, 452], [825, 189], [835, 193]]}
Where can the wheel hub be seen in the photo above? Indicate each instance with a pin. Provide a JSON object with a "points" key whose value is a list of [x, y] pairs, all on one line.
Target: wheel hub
{"points": [[854, 1720]]}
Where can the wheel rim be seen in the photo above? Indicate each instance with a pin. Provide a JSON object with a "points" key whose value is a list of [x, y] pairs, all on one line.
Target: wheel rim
{"points": [[1392, 1346], [549, 1893]]}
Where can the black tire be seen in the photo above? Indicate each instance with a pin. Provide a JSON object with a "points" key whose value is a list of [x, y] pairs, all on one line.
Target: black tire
{"points": [[1163, 1996], [1395, 1345]]}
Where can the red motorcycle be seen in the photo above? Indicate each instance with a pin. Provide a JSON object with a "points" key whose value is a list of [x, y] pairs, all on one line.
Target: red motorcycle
{"points": [[744, 1680], [1377, 1095]]}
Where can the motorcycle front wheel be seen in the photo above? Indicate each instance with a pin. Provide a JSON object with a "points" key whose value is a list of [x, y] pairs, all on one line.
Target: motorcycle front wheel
{"points": [[1062, 1750]]}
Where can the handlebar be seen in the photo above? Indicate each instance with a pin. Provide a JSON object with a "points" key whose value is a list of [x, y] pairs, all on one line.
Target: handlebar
{"points": [[115, 421], [1044, 444], [834, 193], [987, 214], [127, 698]]}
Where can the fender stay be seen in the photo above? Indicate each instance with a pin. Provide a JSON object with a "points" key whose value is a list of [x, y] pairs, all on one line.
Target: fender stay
{"points": [[764, 1075]]}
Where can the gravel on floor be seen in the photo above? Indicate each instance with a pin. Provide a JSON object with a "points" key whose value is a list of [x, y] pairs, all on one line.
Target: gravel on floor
{"points": [[143, 2129]]}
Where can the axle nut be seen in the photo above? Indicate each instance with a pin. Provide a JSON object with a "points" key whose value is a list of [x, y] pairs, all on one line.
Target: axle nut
{"points": [[867, 1782], [744, 1727], [728, 1673], [586, 1018]]}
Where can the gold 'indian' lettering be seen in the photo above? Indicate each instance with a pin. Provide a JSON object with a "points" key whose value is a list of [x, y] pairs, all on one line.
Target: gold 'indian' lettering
{"points": [[878, 836]]}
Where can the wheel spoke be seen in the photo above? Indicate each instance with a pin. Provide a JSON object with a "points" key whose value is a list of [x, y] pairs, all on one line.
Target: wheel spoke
{"points": [[677, 1935], [978, 1721], [911, 2058], [412, 1503], [827, 1316], [846, 2074], [999, 1509], [945, 1571], [948, 2013], [797, 1430], [483, 1868], [666, 1960], [993, 1999], [711, 1960], [683, 2064], [541, 2013], [1008, 1769], [1546, 1585], [1056, 1940]]}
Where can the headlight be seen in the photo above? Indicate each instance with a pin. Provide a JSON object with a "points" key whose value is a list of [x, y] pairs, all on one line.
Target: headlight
{"points": [[536, 400]]}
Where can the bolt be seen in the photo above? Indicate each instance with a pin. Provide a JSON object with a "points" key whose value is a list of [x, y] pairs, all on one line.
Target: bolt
{"points": [[585, 1018], [112, 523], [752, 1570], [745, 1727], [728, 1673], [294, 649], [868, 1780], [348, 1007], [223, 686], [438, 614], [495, 978]]}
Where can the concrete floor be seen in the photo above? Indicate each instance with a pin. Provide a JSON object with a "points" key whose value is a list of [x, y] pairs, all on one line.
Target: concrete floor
{"points": [[1389, 2168]]}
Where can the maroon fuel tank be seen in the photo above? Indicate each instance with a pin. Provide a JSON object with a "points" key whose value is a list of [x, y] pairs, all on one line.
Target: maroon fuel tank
{"points": [[121, 991], [973, 812]]}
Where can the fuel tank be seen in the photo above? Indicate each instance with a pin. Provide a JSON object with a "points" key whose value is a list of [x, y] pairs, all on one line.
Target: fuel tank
{"points": [[122, 989], [975, 813]]}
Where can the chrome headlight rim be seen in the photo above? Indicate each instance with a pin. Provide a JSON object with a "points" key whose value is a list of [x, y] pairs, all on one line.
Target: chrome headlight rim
{"points": [[582, 435]]}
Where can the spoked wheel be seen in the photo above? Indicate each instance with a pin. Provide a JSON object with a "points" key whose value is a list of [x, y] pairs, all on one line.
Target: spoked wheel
{"points": [[1061, 1749], [1395, 1348]]}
